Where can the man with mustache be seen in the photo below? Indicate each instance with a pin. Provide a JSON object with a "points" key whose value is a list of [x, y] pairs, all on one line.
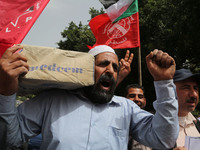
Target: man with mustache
{"points": [[92, 117], [135, 93], [187, 88]]}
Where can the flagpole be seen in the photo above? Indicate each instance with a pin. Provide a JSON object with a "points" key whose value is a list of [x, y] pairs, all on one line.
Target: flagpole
{"points": [[139, 66]]}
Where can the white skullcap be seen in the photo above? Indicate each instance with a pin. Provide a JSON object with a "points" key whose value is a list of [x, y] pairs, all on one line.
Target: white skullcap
{"points": [[101, 49]]}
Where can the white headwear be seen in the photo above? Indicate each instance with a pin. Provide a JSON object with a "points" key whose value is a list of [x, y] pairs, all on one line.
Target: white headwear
{"points": [[101, 49]]}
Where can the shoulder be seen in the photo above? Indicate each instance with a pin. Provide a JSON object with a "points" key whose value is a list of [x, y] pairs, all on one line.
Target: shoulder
{"points": [[191, 117], [120, 99], [124, 102], [53, 93], [48, 96]]}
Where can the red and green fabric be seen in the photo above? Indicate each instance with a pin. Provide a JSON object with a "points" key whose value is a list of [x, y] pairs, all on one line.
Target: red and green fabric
{"points": [[118, 9], [119, 35]]}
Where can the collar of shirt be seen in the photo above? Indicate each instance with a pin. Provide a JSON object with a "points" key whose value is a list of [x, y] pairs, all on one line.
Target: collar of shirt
{"points": [[79, 93], [188, 120]]}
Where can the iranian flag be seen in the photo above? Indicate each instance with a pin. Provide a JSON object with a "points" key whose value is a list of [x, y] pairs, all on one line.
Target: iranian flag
{"points": [[17, 18], [118, 9], [123, 33]]}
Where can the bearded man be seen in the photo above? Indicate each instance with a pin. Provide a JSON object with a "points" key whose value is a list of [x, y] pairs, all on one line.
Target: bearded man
{"points": [[91, 117]]}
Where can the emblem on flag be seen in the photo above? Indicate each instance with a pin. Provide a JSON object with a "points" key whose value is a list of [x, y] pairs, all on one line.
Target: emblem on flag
{"points": [[117, 32], [122, 34]]}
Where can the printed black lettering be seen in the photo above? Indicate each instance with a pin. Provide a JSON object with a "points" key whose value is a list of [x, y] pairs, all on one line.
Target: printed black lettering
{"points": [[42, 67], [31, 68], [65, 70], [81, 70], [54, 67], [50, 67], [58, 69]]}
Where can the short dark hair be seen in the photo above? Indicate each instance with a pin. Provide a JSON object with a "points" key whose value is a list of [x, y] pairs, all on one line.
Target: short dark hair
{"points": [[133, 86]]}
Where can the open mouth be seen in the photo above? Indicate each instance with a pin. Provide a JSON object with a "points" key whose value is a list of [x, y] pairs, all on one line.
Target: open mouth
{"points": [[106, 85]]}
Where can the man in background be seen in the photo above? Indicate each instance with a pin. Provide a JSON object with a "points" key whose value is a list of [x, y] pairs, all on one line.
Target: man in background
{"points": [[135, 93], [187, 88]]}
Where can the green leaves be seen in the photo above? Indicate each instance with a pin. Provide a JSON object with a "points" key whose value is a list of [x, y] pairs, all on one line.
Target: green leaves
{"points": [[76, 37], [171, 26]]}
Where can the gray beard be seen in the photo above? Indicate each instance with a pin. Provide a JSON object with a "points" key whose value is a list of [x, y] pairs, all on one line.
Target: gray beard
{"points": [[98, 95]]}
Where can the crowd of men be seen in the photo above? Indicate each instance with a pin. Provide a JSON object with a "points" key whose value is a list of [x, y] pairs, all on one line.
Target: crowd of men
{"points": [[93, 117]]}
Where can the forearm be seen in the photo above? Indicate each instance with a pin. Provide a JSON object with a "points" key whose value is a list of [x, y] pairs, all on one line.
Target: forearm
{"points": [[165, 120], [2, 134], [8, 118], [161, 130]]}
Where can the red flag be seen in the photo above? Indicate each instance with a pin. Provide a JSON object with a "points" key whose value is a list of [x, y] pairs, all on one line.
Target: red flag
{"points": [[11, 9], [119, 35], [17, 18]]}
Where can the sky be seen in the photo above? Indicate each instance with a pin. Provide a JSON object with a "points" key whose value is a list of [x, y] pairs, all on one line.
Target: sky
{"points": [[56, 17]]}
